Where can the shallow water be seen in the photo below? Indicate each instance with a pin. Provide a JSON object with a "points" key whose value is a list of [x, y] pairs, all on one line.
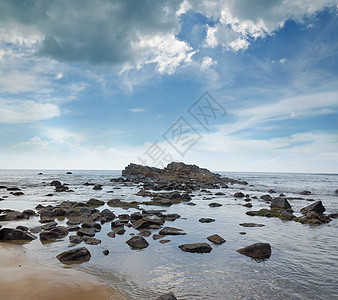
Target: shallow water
{"points": [[303, 264]]}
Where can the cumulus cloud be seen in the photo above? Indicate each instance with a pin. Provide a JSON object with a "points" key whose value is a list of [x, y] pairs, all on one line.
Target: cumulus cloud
{"points": [[24, 111], [207, 63]]}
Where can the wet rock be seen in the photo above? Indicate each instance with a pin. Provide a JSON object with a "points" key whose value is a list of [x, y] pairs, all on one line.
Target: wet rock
{"points": [[214, 204], [263, 213], [216, 239], [54, 233], [336, 191], [266, 197], [55, 183], [247, 200], [111, 234], [171, 231], [13, 189], [9, 234], [86, 232], [206, 220], [69, 173], [316, 206], [196, 248], [219, 194], [105, 252], [145, 233], [46, 226], [11, 215], [3, 187], [165, 241], [108, 215], [153, 219], [95, 202], [251, 225], [91, 241], [271, 191], [168, 296], [333, 216], [137, 242], [75, 239], [279, 203], [258, 250], [286, 215], [242, 233], [29, 212], [171, 217], [20, 227], [141, 224], [305, 193], [119, 230], [157, 236], [122, 204], [239, 195], [249, 205], [73, 228], [97, 187], [77, 255], [17, 193]]}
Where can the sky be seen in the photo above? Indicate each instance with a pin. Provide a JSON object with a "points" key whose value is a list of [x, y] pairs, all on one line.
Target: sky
{"points": [[232, 85]]}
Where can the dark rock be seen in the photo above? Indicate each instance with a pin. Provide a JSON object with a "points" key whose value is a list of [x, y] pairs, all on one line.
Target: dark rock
{"points": [[119, 230], [336, 191], [305, 193], [20, 227], [164, 241], [9, 234], [49, 195], [316, 206], [108, 215], [48, 235], [91, 241], [263, 213], [13, 189], [138, 242], [196, 248], [29, 212], [157, 236], [251, 225], [73, 228], [279, 203], [87, 225], [214, 204], [286, 215], [11, 215], [105, 252], [153, 219], [171, 217], [111, 234], [122, 204], [266, 197], [216, 239], [249, 205], [247, 200], [271, 191], [3, 187], [258, 250], [77, 255], [97, 187], [239, 195], [141, 224], [242, 233], [145, 233], [86, 232], [206, 220], [75, 239], [171, 231], [219, 194], [55, 183], [17, 193], [333, 216], [69, 173], [95, 202], [169, 296]]}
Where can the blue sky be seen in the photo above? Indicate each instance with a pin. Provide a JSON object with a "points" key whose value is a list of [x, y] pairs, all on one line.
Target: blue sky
{"points": [[99, 84]]}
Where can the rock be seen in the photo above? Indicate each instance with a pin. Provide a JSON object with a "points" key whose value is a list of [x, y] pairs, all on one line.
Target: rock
{"points": [[258, 250], [40, 173], [138, 242], [91, 241], [3, 187], [108, 215], [74, 239], [11, 215], [13, 189], [29, 212], [164, 241], [336, 191], [20, 227], [279, 203], [216, 239], [153, 220], [157, 236], [141, 224], [55, 183], [305, 193], [196, 248], [286, 215], [239, 195], [73, 228], [242, 233], [95, 202], [171, 231], [333, 216], [266, 197], [263, 213], [316, 206], [249, 205], [9, 234], [17, 193], [48, 235], [69, 173], [171, 217], [219, 194], [111, 234], [86, 232], [251, 225], [214, 204], [145, 233], [271, 191], [169, 296], [105, 252], [97, 187], [78, 255], [206, 220], [119, 230]]}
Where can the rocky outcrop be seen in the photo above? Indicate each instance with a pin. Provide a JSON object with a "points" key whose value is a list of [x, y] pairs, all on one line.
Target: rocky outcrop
{"points": [[258, 250], [78, 255], [9, 234], [196, 248]]}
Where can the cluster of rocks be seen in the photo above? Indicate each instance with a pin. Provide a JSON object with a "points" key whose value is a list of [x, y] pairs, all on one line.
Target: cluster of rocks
{"points": [[59, 187]]}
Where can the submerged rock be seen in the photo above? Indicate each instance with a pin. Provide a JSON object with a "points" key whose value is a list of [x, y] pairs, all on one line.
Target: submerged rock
{"points": [[171, 231], [138, 242], [258, 250], [77, 255], [196, 248], [251, 225], [9, 234]]}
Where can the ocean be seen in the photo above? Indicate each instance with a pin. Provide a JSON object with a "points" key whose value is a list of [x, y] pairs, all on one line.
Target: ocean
{"points": [[303, 264]]}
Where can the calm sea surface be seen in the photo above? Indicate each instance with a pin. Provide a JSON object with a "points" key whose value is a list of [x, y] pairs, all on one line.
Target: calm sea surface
{"points": [[303, 264]]}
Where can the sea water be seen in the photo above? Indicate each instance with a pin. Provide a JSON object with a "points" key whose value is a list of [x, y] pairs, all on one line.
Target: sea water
{"points": [[303, 264]]}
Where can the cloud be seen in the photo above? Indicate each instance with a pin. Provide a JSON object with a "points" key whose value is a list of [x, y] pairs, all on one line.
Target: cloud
{"points": [[137, 110], [24, 111], [207, 63]]}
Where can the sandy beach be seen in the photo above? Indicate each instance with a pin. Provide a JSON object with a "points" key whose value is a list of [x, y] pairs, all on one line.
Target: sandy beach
{"points": [[22, 278]]}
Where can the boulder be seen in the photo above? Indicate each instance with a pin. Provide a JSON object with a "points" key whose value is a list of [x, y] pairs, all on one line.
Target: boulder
{"points": [[95, 202], [137, 242], [239, 195], [90, 240], [258, 250], [168, 296], [97, 187], [206, 220], [77, 255], [11, 215], [286, 215], [266, 197], [171, 231], [9, 234], [196, 248], [316, 206], [108, 215], [216, 239], [55, 183], [86, 232], [279, 203], [271, 191], [305, 193]]}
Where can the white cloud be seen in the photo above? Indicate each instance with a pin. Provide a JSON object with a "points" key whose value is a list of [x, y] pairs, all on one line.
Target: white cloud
{"points": [[137, 110], [58, 76], [207, 63], [24, 111]]}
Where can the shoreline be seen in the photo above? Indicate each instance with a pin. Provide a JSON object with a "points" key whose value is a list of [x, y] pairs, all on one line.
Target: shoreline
{"points": [[23, 278]]}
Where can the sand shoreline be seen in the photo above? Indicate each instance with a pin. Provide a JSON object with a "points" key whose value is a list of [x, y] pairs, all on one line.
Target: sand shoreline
{"points": [[22, 278]]}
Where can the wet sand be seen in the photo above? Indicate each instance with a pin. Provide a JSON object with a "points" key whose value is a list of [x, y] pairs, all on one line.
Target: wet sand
{"points": [[22, 278]]}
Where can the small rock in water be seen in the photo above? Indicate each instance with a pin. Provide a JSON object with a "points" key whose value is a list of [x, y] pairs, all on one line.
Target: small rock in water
{"points": [[271, 191], [251, 225], [316, 206], [169, 296], [206, 220], [216, 239], [214, 204], [164, 241], [157, 236], [69, 173], [111, 234], [196, 248], [239, 195], [258, 250], [171, 231], [305, 193], [137, 242], [78, 255], [105, 252]]}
